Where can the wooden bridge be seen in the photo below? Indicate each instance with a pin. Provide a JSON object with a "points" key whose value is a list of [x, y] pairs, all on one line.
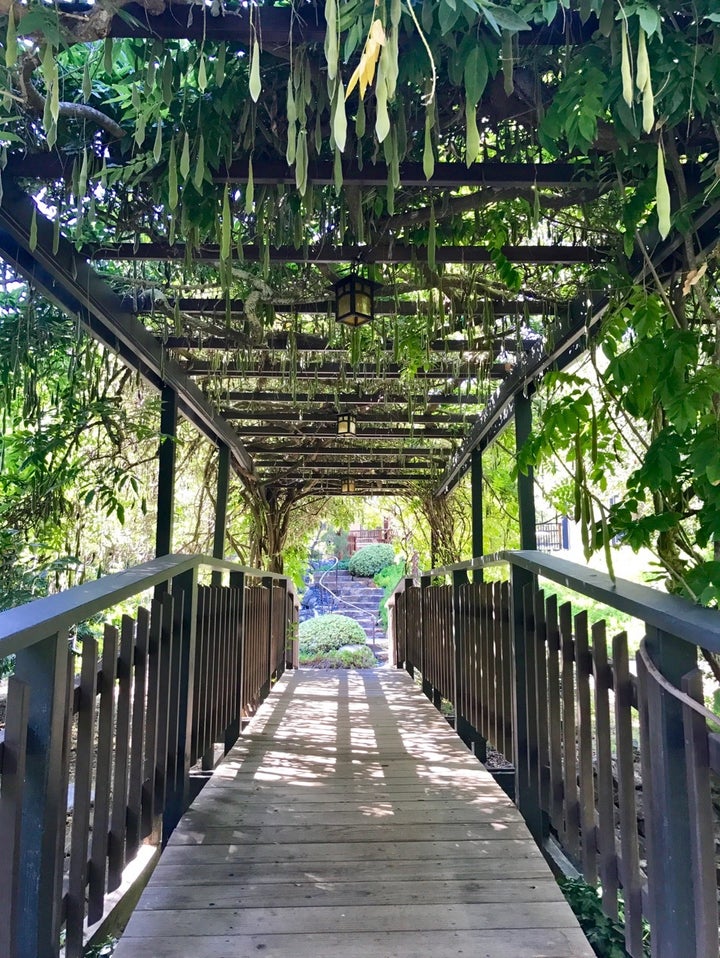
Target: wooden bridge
{"points": [[349, 818]]}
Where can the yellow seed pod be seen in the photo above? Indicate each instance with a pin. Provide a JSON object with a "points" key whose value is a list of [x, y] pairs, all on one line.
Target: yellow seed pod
{"points": [[662, 195], [648, 107]]}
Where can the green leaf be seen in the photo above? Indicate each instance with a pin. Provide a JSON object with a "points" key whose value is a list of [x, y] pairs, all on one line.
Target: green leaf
{"points": [[502, 18]]}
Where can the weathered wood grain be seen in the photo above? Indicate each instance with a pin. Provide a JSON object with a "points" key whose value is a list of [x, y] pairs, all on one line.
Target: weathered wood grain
{"points": [[350, 820]]}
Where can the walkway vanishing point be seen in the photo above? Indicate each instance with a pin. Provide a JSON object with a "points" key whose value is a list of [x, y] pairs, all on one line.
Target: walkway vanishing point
{"points": [[350, 820]]}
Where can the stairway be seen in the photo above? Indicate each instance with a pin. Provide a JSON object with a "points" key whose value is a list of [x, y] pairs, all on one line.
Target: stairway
{"points": [[358, 599]]}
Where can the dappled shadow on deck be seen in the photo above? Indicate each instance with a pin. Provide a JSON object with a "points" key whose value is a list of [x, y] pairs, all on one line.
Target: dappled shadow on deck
{"points": [[350, 820]]}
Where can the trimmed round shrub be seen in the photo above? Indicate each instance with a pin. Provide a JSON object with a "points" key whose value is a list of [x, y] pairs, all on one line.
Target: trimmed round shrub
{"points": [[370, 560], [328, 633], [355, 657]]}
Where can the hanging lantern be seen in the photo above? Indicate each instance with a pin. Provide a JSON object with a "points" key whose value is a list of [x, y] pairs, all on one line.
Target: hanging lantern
{"points": [[354, 299], [346, 424], [348, 485]]}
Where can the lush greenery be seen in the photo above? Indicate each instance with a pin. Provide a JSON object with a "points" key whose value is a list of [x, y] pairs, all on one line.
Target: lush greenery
{"points": [[606, 936], [371, 559], [387, 579], [334, 641]]}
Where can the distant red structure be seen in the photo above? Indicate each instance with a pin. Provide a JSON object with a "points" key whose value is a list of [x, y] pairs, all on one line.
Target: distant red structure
{"points": [[357, 538]]}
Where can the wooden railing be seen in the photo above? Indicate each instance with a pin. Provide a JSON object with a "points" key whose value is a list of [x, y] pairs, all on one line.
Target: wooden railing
{"points": [[119, 727], [613, 758]]}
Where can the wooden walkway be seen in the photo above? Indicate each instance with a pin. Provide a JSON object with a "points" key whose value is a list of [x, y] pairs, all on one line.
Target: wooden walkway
{"points": [[351, 822]]}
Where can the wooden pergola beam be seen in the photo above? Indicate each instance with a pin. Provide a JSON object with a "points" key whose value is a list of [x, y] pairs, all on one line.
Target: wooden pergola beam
{"points": [[551, 255], [346, 450], [364, 417], [351, 399], [332, 370]]}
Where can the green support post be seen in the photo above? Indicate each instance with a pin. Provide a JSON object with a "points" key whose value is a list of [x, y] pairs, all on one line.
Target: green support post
{"points": [[527, 798], [476, 494], [221, 506], [184, 592], [425, 582], [166, 472]]}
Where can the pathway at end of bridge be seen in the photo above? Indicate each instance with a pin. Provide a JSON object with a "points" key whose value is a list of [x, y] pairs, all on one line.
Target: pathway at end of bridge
{"points": [[350, 820]]}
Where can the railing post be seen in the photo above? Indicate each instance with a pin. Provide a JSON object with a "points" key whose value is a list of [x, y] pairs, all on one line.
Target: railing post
{"points": [[267, 583], [237, 582], [409, 583], [425, 583], [391, 636], [184, 593], [42, 666], [669, 860], [463, 728]]}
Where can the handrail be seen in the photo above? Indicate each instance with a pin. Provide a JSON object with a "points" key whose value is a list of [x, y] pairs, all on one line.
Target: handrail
{"points": [[669, 613], [346, 602], [25, 624]]}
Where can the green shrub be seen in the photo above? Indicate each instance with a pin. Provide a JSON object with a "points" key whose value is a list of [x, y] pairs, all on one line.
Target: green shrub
{"points": [[371, 559], [327, 633], [387, 579], [352, 658]]}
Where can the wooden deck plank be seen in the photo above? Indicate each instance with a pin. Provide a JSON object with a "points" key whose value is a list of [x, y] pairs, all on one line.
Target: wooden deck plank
{"points": [[350, 820]]}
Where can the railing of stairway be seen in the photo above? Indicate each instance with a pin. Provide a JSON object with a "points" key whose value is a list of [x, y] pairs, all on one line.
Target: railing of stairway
{"points": [[123, 723], [566, 704]]}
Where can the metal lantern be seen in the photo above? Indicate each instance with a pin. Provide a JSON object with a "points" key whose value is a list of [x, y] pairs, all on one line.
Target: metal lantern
{"points": [[354, 300], [348, 485], [346, 424]]}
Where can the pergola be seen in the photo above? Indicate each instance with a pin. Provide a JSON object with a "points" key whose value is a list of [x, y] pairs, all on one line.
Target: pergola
{"points": [[237, 328]]}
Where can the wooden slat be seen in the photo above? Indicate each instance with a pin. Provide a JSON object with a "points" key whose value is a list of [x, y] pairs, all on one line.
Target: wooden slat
{"points": [[349, 819], [607, 854], [118, 817], [571, 805], [504, 593], [583, 670], [702, 832], [541, 691], [13, 778], [137, 745], [164, 717], [629, 851], [82, 802], [554, 720], [103, 776], [151, 733]]}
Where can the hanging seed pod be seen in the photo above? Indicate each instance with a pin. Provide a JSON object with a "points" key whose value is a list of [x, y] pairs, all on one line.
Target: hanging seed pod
{"points": [[625, 67], [167, 80], [428, 155], [11, 39], [662, 194], [255, 85], [199, 174], [202, 74], [220, 64], [185, 157], [172, 177]]}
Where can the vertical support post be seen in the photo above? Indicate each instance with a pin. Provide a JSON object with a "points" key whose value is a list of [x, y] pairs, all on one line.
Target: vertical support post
{"points": [[184, 592], [463, 728], [520, 578], [221, 505], [237, 581], [526, 483], [166, 472], [42, 666], [425, 582], [671, 873], [267, 583], [476, 506], [410, 666]]}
